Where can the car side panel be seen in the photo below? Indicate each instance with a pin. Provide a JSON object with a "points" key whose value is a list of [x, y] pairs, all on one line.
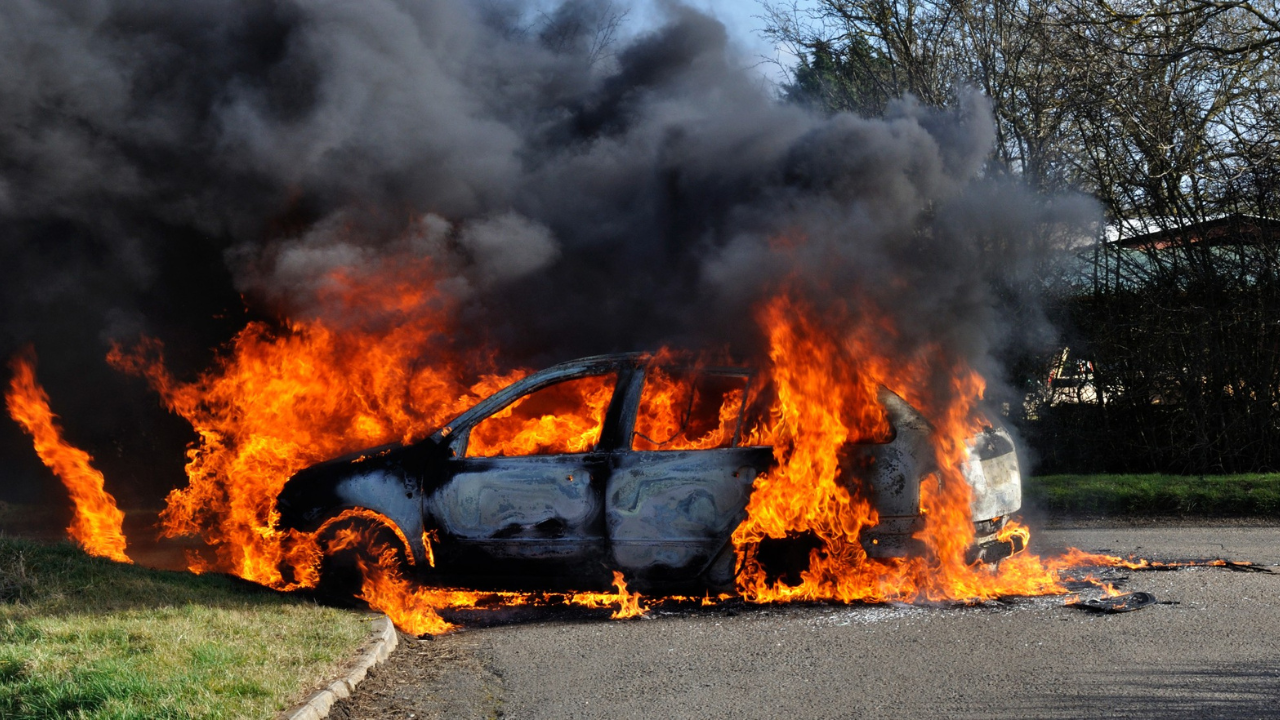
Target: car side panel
{"points": [[668, 514], [539, 511]]}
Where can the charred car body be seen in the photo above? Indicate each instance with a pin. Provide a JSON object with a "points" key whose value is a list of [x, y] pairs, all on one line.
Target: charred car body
{"points": [[651, 484]]}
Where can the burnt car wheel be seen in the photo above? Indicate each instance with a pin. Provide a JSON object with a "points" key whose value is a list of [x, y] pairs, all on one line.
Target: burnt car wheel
{"points": [[352, 545]]}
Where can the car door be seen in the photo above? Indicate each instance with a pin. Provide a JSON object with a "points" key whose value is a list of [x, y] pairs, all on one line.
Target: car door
{"points": [[681, 482], [522, 500]]}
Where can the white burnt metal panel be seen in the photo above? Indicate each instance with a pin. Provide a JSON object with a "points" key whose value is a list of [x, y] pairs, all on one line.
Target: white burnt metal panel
{"points": [[672, 512], [540, 506], [993, 474]]}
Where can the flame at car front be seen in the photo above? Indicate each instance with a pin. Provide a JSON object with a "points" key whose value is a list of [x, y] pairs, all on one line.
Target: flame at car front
{"points": [[826, 368]]}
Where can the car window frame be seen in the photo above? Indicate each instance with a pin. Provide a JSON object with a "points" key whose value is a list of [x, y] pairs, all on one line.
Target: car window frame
{"points": [[457, 433], [747, 374]]}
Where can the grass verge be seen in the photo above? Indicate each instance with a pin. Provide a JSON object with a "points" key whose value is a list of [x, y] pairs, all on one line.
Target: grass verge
{"points": [[1152, 495], [85, 637]]}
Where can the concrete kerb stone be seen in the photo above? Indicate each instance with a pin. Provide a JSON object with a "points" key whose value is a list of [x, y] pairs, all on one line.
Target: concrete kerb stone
{"points": [[383, 640]]}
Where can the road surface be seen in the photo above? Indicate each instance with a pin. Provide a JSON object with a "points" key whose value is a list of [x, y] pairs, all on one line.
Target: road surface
{"points": [[1214, 651]]}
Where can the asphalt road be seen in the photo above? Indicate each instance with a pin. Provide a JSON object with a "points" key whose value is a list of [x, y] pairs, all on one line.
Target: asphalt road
{"points": [[1214, 652]]}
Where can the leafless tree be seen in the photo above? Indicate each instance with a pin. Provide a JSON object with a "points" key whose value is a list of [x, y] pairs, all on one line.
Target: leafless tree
{"points": [[1169, 114]]}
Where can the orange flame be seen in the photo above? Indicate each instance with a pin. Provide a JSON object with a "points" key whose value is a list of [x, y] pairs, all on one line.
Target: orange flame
{"points": [[826, 371], [1109, 590], [545, 422], [628, 602], [285, 397], [96, 522], [675, 414], [412, 607]]}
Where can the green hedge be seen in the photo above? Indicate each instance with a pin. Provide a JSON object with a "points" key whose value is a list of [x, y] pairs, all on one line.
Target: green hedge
{"points": [[1151, 495]]}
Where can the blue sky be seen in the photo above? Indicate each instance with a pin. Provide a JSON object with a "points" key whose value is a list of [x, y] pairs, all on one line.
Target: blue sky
{"points": [[740, 17]]}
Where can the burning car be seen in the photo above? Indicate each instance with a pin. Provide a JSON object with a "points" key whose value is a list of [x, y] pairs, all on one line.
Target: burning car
{"points": [[635, 463]]}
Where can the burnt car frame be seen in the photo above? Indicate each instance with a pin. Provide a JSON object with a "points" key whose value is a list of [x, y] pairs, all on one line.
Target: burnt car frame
{"points": [[661, 517]]}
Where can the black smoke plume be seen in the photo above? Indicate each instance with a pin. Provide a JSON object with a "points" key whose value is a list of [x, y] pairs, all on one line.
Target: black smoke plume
{"points": [[172, 168]]}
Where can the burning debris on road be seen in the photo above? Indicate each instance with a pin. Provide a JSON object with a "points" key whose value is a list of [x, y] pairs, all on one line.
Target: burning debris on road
{"points": [[1117, 603], [419, 200]]}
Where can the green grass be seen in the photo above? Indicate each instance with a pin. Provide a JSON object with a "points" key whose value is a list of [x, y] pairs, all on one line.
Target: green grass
{"points": [[1156, 495], [82, 637]]}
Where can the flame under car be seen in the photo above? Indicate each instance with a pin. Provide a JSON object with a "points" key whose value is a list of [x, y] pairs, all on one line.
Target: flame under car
{"points": [[630, 463]]}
